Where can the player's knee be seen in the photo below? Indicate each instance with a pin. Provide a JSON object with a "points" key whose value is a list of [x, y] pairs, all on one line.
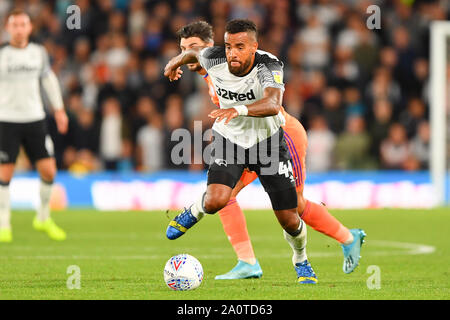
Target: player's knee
{"points": [[215, 203], [6, 173], [48, 175], [292, 227], [290, 221]]}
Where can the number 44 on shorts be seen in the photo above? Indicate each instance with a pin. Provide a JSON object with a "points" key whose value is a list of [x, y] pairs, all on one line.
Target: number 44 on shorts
{"points": [[286, 169]]}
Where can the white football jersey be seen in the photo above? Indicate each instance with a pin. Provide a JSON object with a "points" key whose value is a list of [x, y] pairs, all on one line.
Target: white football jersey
{"points": [[20, 73], [233, 91]]}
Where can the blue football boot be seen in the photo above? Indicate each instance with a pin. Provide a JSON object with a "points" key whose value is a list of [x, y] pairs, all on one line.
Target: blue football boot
{"points": [[352, 251], [180, 224], [242, 270], [305, 273]]}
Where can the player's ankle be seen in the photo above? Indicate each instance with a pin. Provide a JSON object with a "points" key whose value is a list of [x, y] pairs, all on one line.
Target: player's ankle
{"points": [[251, 261], [349, 240]]}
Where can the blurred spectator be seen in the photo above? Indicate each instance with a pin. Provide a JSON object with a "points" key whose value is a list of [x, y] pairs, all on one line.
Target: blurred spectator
{"points": [[117, 55], [117, 22], [111, 130], [420, 145], [365, 54], [383, 86], [350, 37], [174, 119], [137, 17], [419, 82], [315, 43], [134, 76], [395, 149], [321, 143], [145, 109], [162, 10], [153, 84], [333, 110], [406, 56], [150, 147], [310, 90], [86, 133], [379, 127], [126, 161], [353, 145], [100, 17], [345, 70], [412, 116], [247, 9], [81, 162], [118, 88], [353, 102], [388, 58], [186, 9], [153, 35]]}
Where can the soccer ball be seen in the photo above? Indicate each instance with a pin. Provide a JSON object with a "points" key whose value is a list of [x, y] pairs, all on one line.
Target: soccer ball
{"points": [[183, 272]]}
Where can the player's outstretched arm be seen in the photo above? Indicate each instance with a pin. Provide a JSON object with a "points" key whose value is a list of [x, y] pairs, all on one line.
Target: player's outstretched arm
{"points": [[268, 106], [172, 69]]}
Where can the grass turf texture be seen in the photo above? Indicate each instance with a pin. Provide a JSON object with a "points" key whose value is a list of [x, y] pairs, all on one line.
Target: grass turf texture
{"points": [[121, 255]]}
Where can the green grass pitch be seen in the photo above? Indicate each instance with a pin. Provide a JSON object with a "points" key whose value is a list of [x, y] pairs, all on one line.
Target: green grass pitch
{"points": [[121, 255]]}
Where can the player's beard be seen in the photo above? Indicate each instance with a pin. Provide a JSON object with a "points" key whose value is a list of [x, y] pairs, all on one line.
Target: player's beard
{"points": [[194, 67], [239, 71]]}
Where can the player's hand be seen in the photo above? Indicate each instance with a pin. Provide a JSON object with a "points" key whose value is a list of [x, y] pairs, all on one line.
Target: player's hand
{"points": [[62, 121], [221, 114], [179, 72], [172, 72], [175, 75]]}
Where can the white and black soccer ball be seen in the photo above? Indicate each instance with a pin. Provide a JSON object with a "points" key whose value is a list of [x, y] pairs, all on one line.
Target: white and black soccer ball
{"points": [[183, 272]]}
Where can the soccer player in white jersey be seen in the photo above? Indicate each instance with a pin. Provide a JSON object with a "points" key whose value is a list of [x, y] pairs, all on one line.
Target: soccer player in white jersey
{"points": [[200, 33], [249, 87], [23, 67]]}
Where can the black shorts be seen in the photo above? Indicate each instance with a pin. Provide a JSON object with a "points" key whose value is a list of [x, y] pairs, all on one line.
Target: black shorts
{"points": [[270, 159], [33, 136]]}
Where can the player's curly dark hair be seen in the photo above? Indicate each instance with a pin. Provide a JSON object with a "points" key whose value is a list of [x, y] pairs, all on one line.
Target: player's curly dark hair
{"points": [[241, 25], [200, 29]]}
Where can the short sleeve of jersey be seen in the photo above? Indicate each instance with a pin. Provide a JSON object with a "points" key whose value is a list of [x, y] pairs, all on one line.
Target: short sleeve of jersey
{"points": [[46, 68], [270, 71], [212, 56]]}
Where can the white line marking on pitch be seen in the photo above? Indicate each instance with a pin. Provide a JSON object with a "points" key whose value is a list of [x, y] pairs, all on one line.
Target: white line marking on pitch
{"points": [[406, 248]]}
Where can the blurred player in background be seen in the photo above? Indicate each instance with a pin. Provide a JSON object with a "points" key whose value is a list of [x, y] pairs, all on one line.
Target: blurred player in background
{"points": [[200, 34], [23, 67], [250, 119]]}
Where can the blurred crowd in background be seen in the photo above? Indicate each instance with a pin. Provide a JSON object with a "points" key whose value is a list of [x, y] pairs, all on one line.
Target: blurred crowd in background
{"points": [[361, 94]]}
